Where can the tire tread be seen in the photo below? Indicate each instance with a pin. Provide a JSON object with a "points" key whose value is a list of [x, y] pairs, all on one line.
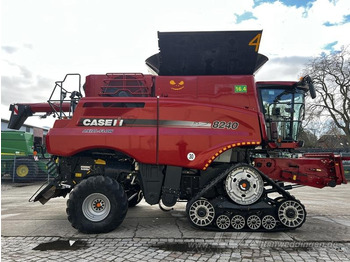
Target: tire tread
{"points": [[106, 185]]}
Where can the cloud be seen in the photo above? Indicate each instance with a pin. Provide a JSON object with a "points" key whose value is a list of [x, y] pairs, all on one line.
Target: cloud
{"points": [[9, 49], [15, 69], [291, 59], [296, 3], [283, 68], [29, 46], [20, 85], [25, 72]]}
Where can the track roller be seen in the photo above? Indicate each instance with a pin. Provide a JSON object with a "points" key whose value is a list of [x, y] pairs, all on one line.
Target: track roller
{"points": [[238, 222], [268, 222], [223, 222], [253, 222]]}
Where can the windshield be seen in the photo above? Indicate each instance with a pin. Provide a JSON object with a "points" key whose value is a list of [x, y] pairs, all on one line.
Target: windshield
{"points": [[283, 109]]}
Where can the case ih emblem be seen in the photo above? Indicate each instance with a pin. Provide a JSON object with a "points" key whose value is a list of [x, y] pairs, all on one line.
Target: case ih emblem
{"points": [[100, 122], [177, 86]]}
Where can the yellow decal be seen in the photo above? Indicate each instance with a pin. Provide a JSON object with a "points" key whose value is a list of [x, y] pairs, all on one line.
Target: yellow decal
{"points": [[100, 162], [255, 42], [177, 86], [14, 154], [227, 148]]}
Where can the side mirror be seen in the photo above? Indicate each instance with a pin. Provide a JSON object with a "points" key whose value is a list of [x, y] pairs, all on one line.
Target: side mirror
{"points": [[308, 80]]}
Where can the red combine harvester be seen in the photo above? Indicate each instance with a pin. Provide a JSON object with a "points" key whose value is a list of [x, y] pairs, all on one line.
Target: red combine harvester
{"points": [[199, 130]]}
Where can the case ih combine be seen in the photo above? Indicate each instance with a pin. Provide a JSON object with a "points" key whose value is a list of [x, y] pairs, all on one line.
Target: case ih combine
{"points": [[199, 130]]}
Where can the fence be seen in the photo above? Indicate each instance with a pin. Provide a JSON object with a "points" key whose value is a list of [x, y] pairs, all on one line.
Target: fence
{"points": [[20, 169], [346, 165]]}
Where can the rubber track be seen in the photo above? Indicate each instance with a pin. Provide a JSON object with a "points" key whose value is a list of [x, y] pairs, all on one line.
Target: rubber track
{"points": [[220, 177]]}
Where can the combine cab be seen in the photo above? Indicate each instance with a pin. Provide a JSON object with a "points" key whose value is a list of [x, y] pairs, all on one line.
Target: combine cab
{"points": [[200, 129]]}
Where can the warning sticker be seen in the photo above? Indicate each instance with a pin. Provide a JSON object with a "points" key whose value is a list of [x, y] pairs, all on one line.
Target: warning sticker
{"points": [[240, 88]]}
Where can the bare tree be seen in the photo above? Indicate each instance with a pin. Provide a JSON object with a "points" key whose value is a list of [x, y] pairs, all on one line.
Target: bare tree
{"points": [[309, 138], [331, 76]]}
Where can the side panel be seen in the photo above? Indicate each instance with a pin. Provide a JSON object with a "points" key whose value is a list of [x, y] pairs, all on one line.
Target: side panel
{"points": [[231, 91], [127, 125], [190, 133], [202, 116], [191, 121]]}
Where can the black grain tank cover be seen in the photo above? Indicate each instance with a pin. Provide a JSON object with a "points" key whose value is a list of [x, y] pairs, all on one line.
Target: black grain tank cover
{"points": [[207, 53]]}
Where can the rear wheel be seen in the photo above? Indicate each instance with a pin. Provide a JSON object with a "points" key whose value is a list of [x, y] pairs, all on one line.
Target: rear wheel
{"points": [[97, 205]]}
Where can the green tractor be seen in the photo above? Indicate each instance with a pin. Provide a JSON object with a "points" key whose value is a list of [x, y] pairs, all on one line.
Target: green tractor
{"points": [[20, 159]]}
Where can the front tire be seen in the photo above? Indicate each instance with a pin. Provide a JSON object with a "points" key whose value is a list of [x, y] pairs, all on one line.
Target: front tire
{"points": [[97, 205]]}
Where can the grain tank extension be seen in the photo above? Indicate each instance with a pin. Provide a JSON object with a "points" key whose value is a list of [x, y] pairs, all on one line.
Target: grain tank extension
{"points": [[200, 129]]}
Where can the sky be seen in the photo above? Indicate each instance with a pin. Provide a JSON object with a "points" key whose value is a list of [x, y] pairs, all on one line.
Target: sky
{"points": [[43, 40]]}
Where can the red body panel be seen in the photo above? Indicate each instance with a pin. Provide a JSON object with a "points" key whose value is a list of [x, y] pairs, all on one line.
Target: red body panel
{"points": [[198, 136], [164, 129], [317, 170], [138, 142]]}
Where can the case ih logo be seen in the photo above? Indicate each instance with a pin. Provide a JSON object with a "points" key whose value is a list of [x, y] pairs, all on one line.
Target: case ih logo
{"points": [[100, 122]]}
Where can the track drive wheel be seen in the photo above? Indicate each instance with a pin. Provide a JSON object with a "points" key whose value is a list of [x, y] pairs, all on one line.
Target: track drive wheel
{"points": [[97, 205], [201, 213], [244, 185], [291, 213]]}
